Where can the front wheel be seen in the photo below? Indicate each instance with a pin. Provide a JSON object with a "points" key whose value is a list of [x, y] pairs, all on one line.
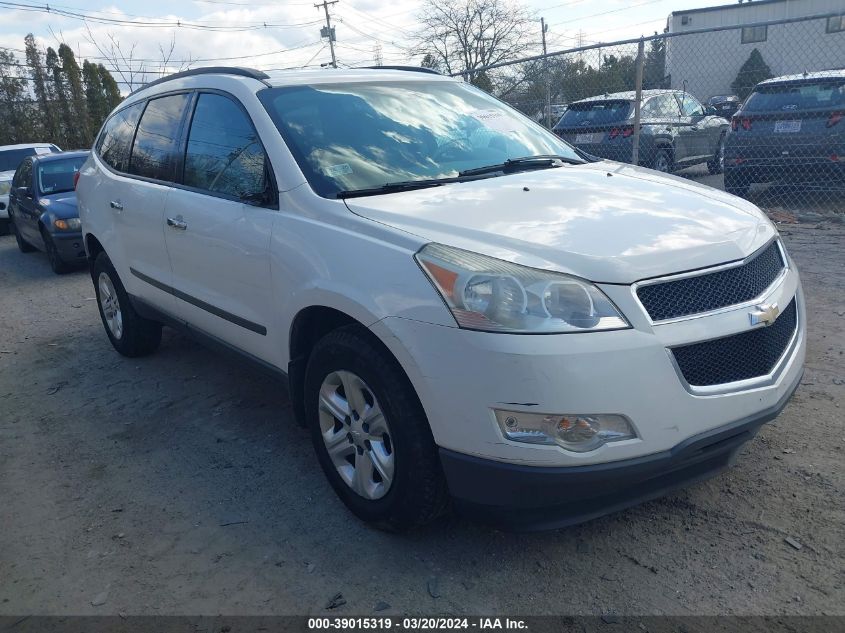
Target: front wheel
{"points": [[129, 333], [370, 432], [662, 161], [23, 245], [59, 266]]}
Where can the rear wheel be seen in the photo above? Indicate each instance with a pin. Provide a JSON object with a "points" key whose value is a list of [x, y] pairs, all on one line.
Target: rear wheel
{"points": [[370, 432], [23, 245], [129, 333], [735, 184], [662, 161], [59, 266], [716, 165]]}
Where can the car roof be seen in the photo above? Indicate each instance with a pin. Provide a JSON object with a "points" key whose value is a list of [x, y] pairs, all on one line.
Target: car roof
{"points": [[628, 95], [47, 158], [804, 77], [3, 148], [349, 75]]}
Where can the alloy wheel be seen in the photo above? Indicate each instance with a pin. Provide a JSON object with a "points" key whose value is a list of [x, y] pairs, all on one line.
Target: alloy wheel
{"points": [[356, 434], [110, 305]]}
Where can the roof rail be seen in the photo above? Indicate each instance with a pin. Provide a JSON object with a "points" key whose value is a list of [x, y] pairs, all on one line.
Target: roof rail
{"points": [[209, 70], [412, 69]]}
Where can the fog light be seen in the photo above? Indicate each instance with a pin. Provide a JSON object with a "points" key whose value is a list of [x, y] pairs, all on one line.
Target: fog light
{"points": [[574, 432]]}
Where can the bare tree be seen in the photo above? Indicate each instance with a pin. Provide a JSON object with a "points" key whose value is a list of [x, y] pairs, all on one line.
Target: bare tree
{"points": [[166, 64], [460, 36]]}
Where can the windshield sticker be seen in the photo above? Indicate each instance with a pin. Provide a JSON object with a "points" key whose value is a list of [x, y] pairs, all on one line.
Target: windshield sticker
{"points": [[338, 170], [495, 120], [42, 150]]}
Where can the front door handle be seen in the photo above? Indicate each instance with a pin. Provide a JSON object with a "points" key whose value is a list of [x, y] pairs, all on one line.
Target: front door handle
{"points": [[177, 223], [694, 128], [115, 204]]}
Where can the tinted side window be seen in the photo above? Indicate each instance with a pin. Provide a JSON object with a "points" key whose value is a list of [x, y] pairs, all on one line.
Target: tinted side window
{"points": [[116, 137], [224, 154], [690, 105], [24, 176], [661, 107], [153, 153]]}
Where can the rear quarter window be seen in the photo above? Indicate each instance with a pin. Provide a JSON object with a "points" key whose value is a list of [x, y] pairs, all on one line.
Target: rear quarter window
{"points": [[116, 137]]}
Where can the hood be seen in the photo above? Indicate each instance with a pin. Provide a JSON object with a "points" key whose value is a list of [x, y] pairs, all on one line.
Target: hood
{"points": [[603, 221], [61, 205]]}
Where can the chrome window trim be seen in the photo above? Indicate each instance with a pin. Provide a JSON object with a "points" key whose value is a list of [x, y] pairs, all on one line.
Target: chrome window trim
{"points": [[765, 380], [707, 271]]}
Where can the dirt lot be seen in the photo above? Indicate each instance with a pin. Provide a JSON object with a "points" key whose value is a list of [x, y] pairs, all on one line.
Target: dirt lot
{"points": [[179, 484]]}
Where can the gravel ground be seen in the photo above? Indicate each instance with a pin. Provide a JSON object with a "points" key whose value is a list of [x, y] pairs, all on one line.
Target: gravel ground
{"points": [[178, 484]]}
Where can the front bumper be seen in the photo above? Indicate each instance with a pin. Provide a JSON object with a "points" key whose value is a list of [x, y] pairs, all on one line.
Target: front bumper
{"points": [[530, 498], [71, 246]]}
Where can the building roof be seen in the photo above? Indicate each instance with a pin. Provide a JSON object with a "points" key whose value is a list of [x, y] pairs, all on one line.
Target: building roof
{"points": [[801, 77], [721, 7]]}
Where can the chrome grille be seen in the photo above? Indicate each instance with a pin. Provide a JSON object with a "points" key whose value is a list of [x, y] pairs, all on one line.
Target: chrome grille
{"points": [[711, 291]]}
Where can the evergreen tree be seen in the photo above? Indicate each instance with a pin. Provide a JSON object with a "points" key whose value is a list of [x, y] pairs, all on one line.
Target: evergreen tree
{"points": [[654, 67], [110, 89], [752, 72], [98, 108], [76, 92], [14, 117], [63, 135], [47, 124]]}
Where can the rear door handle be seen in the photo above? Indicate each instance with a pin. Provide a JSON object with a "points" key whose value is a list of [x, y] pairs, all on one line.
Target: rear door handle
{"points": [[177, 223], [695, 127], [115, 204]]}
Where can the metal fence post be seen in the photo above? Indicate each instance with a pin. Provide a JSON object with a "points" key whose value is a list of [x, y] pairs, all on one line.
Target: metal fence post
{"points": [[635, 154]]}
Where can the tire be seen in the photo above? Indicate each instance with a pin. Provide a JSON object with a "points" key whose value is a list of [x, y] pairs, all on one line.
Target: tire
{"points": [[23, 245], [129, 333], [351, 360], [662, 161], [735, 185], [716, 165], [59, 267]]}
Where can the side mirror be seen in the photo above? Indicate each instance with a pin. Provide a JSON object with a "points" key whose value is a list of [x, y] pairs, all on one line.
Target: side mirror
{"points": [[25, 192], [710, 111]]}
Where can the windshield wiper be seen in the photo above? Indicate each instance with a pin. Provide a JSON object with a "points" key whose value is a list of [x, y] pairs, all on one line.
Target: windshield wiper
{"points": [[524, 162], [404, 185]]}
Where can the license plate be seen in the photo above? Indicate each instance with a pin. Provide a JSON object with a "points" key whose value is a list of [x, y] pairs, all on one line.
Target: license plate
{"points": [[787, 126], [725, 107], [583, 138]]}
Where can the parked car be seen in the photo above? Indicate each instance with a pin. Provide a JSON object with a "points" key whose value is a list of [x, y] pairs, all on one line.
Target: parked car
{"points": [[10, 157], [676, 131], [42, 208], [789, 131], [556, 111], [459, 303], [724, 105]]}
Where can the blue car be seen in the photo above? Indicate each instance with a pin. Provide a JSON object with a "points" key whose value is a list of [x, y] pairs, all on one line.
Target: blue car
{"points": [[789, 131], [42, 208]]}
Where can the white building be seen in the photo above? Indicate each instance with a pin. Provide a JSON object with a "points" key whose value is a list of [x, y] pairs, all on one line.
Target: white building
{"points": [[707, 63]]}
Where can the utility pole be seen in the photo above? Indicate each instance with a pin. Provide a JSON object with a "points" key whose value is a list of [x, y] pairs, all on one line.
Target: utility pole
{"points": [[325, 4], [545, 27]]}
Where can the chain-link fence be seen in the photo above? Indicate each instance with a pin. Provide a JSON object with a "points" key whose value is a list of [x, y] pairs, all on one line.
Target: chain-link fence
{"points": [[755, 109]]}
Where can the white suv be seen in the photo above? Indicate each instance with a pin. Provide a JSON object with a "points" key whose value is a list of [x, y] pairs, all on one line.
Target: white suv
{"points": [[464, 307]]}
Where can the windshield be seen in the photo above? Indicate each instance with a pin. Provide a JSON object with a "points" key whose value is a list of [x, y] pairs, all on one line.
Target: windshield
{"points": [[595, 113], [797, 96], [11, 158], [354, 136], [56, 176]]}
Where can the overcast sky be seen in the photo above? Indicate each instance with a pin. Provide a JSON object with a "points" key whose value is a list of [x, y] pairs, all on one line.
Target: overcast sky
{"points": [[269, 34]]}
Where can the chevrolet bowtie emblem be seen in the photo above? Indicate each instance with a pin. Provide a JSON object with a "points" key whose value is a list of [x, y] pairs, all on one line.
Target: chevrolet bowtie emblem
{"points": [[764, 313]]}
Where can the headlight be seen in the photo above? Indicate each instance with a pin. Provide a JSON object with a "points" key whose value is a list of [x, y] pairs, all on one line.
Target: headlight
{"points": [[70, 224], [489, 294], [5, 186], [577, 433]]}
